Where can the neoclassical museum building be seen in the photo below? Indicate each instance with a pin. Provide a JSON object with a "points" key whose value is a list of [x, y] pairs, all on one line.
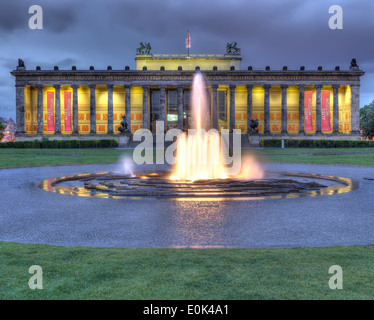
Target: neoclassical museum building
{"points": [[79, 104]]}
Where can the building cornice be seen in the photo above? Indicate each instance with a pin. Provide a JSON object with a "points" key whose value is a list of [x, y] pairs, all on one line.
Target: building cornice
{"points": [[169, 77]]}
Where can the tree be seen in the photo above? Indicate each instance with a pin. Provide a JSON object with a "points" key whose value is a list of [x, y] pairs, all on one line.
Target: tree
{"points": [[2, 128], [367, 121]]}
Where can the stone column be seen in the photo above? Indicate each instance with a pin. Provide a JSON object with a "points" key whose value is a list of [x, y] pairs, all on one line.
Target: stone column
{"points": [[180, 106], [110, 108], [232, 107], [92, 109], [128, 105], [75, 108], [335, 112], [145, 106], [57, 109], [162, 105], [267, 109], [284, 109], [40, 108], [355, 109], [318, 109], [20, 109], [214, 106], [301, 109], [249, 106]]}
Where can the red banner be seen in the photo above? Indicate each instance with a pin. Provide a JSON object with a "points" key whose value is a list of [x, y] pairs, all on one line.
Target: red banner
{"points": [[50, 111], [325, 96], [67, 111], [308, 120]]}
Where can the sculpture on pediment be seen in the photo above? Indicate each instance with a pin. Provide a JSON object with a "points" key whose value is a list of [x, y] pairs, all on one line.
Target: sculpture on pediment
{"points": [[231, 48], [145, 48]]}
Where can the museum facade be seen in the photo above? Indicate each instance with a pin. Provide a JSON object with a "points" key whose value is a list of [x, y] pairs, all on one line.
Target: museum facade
{"points": [[63, 104]]}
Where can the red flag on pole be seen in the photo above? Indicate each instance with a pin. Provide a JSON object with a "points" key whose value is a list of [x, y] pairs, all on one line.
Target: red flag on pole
{"points": [[188, 40]]}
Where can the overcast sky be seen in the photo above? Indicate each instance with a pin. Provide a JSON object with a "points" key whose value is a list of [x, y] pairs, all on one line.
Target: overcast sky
{"points": [[107, 32]]}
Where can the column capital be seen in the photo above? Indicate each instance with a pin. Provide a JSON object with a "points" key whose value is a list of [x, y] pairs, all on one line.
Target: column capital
{"points": [[214, 86], [301, 86], [92, 86], [336, 86], [145, 86], [232, 86], [266, 86], [249, 86], [354, 85], [318, 86], [17, 85], [57, 86], [127, 86], [162, 87], [74, 86], [284, 86], [110, 86], [180, 86], [39, 86]]}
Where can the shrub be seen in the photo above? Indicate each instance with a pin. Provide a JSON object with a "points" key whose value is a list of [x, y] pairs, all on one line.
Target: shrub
{"points": [[324, 143], [271, 143], [63, 144], [308, 143]]}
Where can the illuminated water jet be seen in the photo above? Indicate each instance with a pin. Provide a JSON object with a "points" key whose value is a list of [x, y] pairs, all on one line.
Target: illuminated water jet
{"points": [[199, 153]]}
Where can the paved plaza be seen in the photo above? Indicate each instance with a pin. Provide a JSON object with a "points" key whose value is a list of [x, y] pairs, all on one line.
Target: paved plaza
{"points": [[30, 214]]}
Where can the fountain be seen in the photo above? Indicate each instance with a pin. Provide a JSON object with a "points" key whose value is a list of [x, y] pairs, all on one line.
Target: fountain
{"points": [[198, 153], [199, 172]]}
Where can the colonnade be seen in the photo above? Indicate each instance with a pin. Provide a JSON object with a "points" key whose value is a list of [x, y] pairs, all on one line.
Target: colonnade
{"points": [[20, 98]]}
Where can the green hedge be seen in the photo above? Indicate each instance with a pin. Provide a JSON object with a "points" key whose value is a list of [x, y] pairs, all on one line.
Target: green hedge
{"points": [[60, 144], [306, 143]]}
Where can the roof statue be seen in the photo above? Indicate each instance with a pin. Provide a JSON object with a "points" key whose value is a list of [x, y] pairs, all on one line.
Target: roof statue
{"points": [[21, 63], [231, 48], [145, 48], [354, 65]]}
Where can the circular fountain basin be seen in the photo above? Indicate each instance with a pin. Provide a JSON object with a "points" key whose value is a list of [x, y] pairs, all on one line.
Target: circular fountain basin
{"points": [[275, 185]]}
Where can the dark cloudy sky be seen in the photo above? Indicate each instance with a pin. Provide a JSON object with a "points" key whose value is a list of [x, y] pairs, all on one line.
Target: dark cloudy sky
{"points": [[107, 32]]}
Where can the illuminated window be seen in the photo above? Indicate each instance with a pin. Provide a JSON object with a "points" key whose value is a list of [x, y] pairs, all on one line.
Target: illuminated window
{"points": [[172, 109]]}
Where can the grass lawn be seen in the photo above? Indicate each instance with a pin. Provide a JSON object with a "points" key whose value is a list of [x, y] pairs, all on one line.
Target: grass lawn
{"points": [[350, 159], [316, 155], [43, 157], [118, 273]]}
